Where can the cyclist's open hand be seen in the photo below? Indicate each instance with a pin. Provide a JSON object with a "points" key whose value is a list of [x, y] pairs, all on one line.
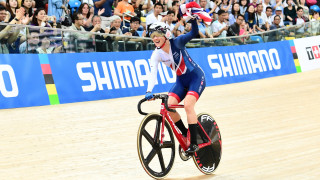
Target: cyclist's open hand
{"points": [[149, 96]]}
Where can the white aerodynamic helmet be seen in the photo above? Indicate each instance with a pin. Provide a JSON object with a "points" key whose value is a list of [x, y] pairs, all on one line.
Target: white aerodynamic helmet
{"points": [[162, 28]]}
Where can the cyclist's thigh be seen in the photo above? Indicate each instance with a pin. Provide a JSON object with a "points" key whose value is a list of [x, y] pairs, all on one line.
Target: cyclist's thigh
{"points": [[177, 91], [197, 84]]}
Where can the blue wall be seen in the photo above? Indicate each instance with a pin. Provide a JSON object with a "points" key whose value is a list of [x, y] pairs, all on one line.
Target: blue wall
{"points": [[94, 76]]}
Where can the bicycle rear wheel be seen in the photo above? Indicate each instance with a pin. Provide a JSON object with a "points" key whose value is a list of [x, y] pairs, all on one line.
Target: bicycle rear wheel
{"points": [[148, 144], [207, 159]]}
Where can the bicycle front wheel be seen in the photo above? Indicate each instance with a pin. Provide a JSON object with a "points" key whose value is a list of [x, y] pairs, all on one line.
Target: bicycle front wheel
{"points": [[156, 159]]}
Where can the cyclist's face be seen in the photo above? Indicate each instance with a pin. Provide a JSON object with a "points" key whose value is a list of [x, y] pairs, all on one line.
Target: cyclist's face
{"points": [[158, 39]]}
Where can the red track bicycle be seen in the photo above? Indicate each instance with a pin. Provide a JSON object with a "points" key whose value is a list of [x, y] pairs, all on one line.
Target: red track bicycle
{"points": [[155, 137]]}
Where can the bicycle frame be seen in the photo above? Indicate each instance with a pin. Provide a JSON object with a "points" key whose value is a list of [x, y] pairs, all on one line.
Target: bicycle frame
{"points": [[184, 144]]}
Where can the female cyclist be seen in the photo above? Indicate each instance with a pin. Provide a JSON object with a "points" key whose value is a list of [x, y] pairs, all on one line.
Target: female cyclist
{"points": [[190, 81]]}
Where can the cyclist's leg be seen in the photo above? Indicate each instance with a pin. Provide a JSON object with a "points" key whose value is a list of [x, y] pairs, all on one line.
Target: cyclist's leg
{"points": [[196, 87], [173, 101], [176, 94]]}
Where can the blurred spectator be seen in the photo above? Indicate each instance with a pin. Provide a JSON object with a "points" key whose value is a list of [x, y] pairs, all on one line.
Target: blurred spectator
{"points": [[3, 3], [269, 15], [40, 3], [254, 4], [234, 29], [314, 28], [115, 26], [11, 6], [3, 13], [244, 30], [175, 9], [32, 42], [46, 47], [87, 14], [134, 25], [278, 4], [214, 5], [234, 13], [279, 13], [187, 28], [275, 35], [243, 6], [226, 5], [168, 19], [155, 16], [202, 30], [89, 2], [41, 19], [312, 9], [179, 28], [55, 8], [265, 4], [82, 41], [124, 10], [302, 3], [250, 17], [139, 6], [101, 44], [289, 13], [9, 34], [262, 20], [299, 21], [219, 27], [203, 4], [77, 24], [106, 16], [27, 4]]}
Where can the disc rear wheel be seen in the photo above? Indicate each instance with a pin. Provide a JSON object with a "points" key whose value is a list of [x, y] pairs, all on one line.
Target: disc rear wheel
{"points": [[208, 158]]}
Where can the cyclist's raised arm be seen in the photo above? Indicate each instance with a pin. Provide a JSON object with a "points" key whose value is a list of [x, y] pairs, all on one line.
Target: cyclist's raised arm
{"points": [[182, 40], [154, 61]]}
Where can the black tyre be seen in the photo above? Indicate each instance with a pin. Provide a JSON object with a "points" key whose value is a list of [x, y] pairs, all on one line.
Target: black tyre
{"points": [[207, 159], [156, 159]]}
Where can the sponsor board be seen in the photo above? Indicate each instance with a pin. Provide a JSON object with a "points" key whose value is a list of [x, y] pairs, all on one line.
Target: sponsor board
{"points": [[232, 64], [76, 77], [308, 52], [21, 81]]}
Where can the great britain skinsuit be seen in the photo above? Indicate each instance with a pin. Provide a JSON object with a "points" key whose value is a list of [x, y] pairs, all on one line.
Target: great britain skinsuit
{"points": [[190, 77]]}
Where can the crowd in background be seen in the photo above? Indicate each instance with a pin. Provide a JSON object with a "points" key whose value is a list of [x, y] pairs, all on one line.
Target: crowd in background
{"points": [[132, 18]]}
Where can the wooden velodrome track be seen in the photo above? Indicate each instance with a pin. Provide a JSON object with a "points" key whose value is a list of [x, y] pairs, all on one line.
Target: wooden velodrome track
{"points": [[270, 130]]}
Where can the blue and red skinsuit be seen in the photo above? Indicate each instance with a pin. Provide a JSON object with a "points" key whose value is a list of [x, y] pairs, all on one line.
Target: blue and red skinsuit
{"points": [[190, 77]]}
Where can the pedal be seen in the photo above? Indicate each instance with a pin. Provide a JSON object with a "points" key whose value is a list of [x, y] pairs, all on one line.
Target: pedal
{"points": [[184, 156]]}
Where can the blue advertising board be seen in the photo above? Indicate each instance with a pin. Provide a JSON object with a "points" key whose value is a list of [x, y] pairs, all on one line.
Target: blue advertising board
{"points": [[232, 64], [21, 81], [94, 76]]}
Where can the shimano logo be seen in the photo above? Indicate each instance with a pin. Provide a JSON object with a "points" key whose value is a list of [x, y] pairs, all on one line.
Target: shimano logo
{"points": [[242, 63], [119, 74]]}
